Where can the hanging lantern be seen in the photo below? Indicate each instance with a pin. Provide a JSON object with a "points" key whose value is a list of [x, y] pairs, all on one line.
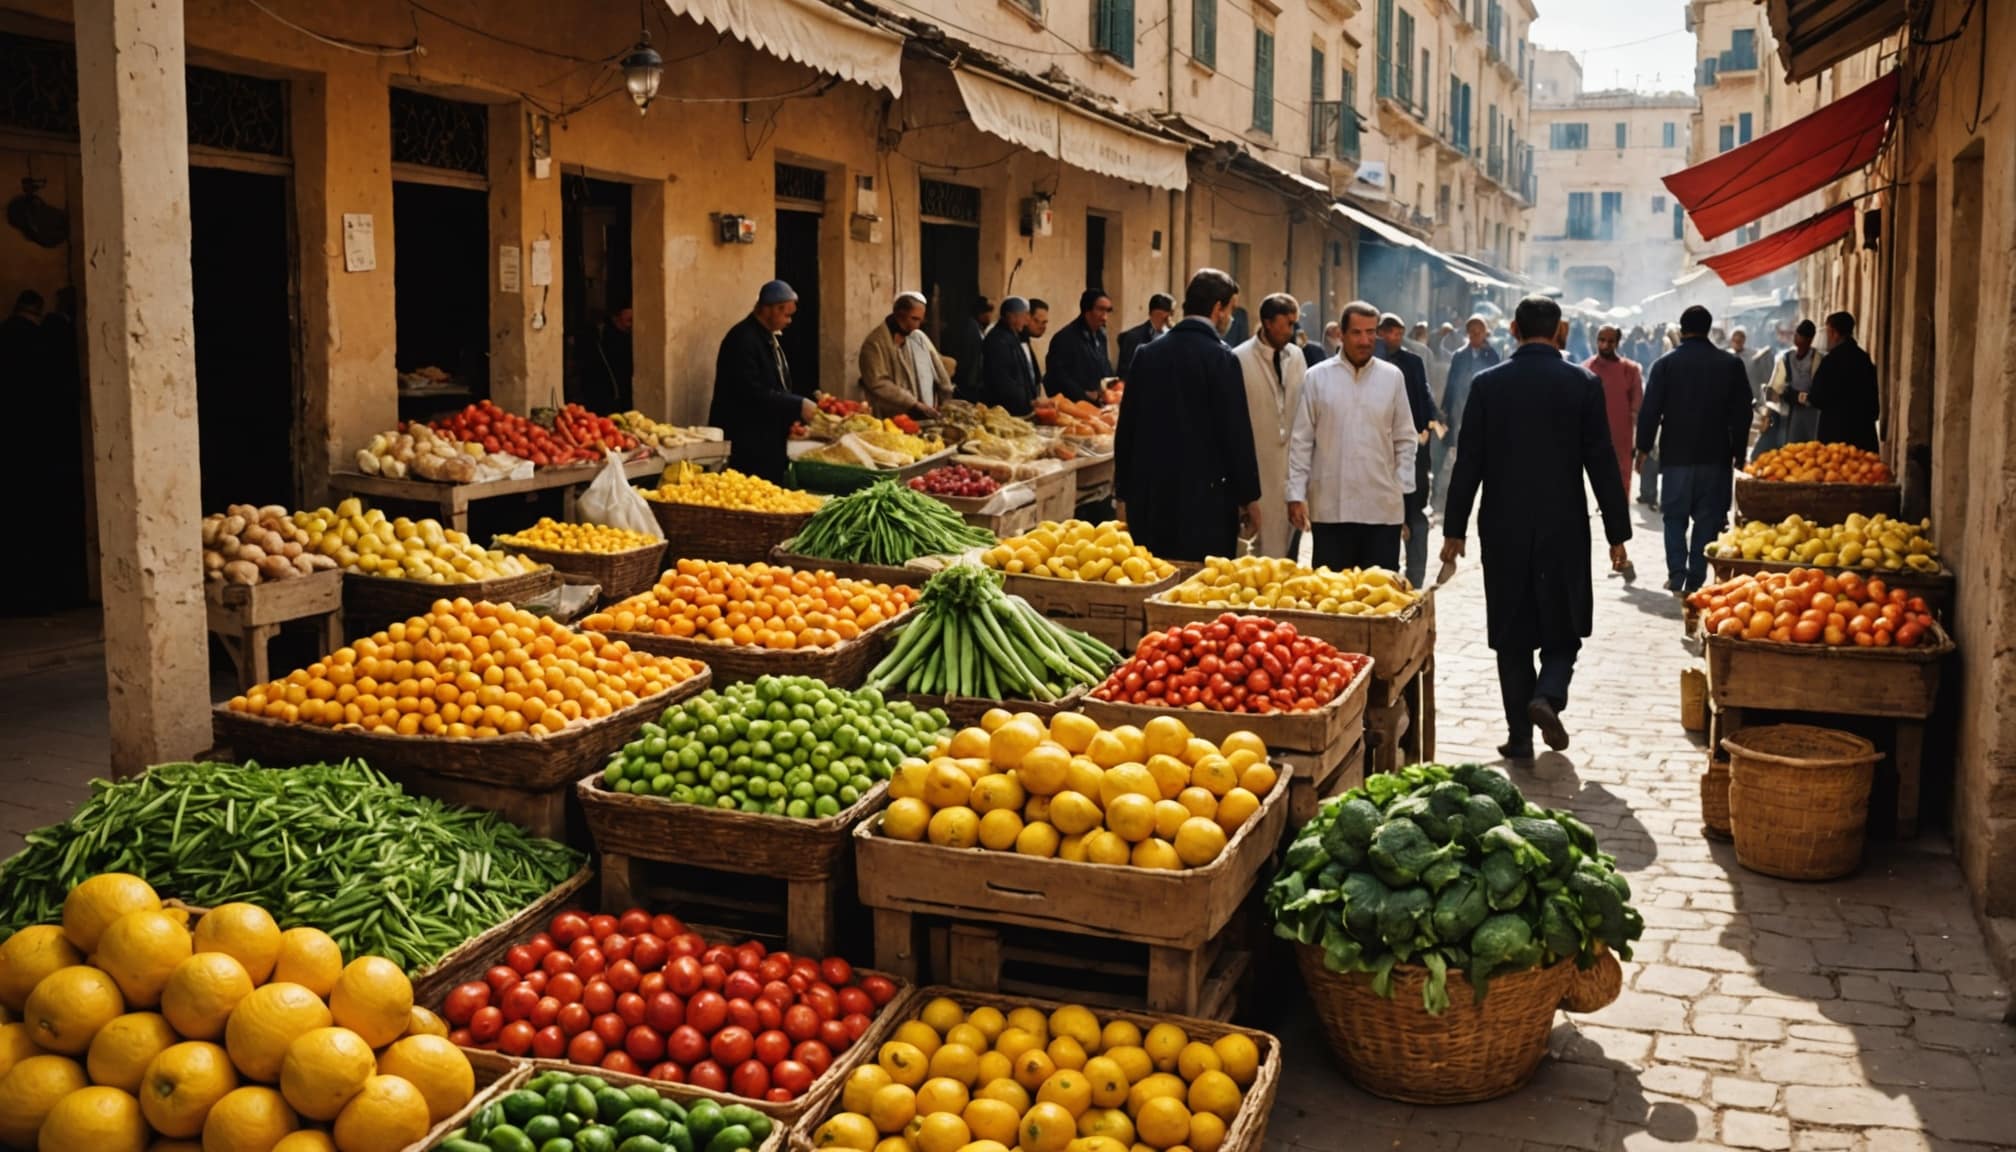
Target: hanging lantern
{"points": [[642, 69]]}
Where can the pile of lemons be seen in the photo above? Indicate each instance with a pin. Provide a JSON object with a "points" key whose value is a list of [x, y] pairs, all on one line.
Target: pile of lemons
{"points": [[955, 1080], [235, 1034], [683, 483], [1078, 550], [552, 535], [1253, 582], [1868, 542], [1152, 797], [366, 541]]}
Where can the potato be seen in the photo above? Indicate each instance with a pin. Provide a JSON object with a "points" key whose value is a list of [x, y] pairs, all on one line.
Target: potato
{"points": [[234, 525], [319, 563], [290, 549], [367, 462], [241, 572], [272, 512], [229, 544], [277, 568], [395, 469], [213, 527], [214, 576], [304, 564], [251, 552], [213, 561]]}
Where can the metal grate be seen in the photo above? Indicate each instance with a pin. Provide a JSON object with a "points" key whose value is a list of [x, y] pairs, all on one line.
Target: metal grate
{"points": [[796, 182], [431, 132], [237, 113], [38, 85], [955, 202]]}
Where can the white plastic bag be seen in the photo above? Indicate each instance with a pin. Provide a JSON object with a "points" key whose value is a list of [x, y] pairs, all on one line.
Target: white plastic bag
{"points": [[611, 501]]}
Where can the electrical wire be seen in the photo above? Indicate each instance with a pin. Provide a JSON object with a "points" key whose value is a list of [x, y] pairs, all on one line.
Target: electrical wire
{"points": [[519, 44], [361, 47]]}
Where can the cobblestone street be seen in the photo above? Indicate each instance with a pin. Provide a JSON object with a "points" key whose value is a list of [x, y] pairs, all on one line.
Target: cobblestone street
{"points": [[1859, 1015]]}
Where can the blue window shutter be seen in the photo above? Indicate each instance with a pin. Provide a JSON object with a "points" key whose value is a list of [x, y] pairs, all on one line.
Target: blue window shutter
{"points": [[1385, 77], [1115, 30], [1204, 32], [1743, 129], [1263, 80]]}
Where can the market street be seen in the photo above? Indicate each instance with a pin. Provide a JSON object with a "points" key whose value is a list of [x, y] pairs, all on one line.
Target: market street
{"points": [[1860, 1015]]}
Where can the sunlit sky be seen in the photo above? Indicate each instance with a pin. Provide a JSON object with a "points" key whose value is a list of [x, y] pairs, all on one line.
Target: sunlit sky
{"points": [[1639, 44]]}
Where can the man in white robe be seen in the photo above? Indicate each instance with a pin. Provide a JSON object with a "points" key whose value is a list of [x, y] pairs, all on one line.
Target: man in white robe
{"points": [[1273, 368]]}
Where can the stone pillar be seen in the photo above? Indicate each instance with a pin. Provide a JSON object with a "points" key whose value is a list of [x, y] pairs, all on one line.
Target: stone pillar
{"points": [[141, 348], [527, 358]]}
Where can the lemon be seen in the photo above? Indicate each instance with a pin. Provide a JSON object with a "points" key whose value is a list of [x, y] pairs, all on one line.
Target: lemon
{"points": [[1007, 1091], [1171, 774], [1047, 1127], [1000, 829], [918, 1035], [250, 1119], [1043, 769], [1069, 1089], [892, 1108], [29, 1091], [906, 819], [1083, 777], [306, 1140], [1239, 1056], [1112, 1123], [1163, 1122], [1214, 1092], [181, 1086], [993, 793], [18, 1044], [942, 1094], [1128, 779], [862, 1084], [100, 1119], [92, 906], [943, 1132], [374, 999], [385, 1115], [1214, 774], [849, 1130], [1133, 1060], [904, 1063], [202, 991], [1165, 1045], [1165, 736], [323, 1069], [123, 1049], [1155, 852], [69, 1006], [139, 950], [246, 933], [989, 1020], [1107, 751], [29, 955], [955, 827], [1009, 743], [990, 1119], [1073, 814], [1197, 1058], [434, 1066], [1169, 818], [1072, 848], [1066, 1053], [421, 1022], [1244, 740], [1199, 841], [998, 1071], [907, 782], [946, 785], [1131, 816], [1207, 1132], [1033, 1067], [968, 742], [1103, 847], [1031, 1021], [1037, 839], [1258, 779], [1235, 809], [1073, 730], [958, 1061], [1197, 749]]}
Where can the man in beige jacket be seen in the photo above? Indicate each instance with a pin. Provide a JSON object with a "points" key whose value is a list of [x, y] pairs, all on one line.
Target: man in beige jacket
{"points": [[1273, 368], [901, 372]]}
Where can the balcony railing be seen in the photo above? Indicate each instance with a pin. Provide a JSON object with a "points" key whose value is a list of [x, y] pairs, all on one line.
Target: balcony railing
{"points": [[1333, 130], [1494, 166], [1737, 60], [1455, 134]]}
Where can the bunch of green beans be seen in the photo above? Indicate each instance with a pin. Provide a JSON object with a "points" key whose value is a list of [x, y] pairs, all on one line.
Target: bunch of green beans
{"points": [[970, 638], [334, 846], [885, 523]]}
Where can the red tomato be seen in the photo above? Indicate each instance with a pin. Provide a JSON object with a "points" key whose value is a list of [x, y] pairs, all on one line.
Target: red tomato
{"points": [[518, 1001], [834, 1035], [791, 1076], [611, 1028], [732, 1045], [590, 962], [823, 1000], [616, 947], [752, 1079], [536, 980], [774, 968], [566, 987], [500, 978], [463, 1002], [645, 1045], [666, 926], [582, 944], [709, 1075], [545, 1012], [669, 1072], [567, 926], [556, 962], [619, 1062], [633, 921], [650, 984], [798, 982], [521, 959], [713, 975], [836, 971], [813, 1055], [599, 997], [780, 992], [648, 951], [719, 954], [741, 985], [486, 1024], [574, 1019], [801, 1022], [749, 957], [631, 1008], [768, 1015], [540, 945], [706, 1011], [857, 1024], [601, 925], [743, 1013], [683, 976], [623, 976], [686, 944], [853, 1000], [549, 1043], [461, 1039], [516, 1038], [664, 1011], [586, 1048], [807, 967], [686, 1045]]}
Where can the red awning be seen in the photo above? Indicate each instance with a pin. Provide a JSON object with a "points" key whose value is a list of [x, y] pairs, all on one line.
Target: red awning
{"points": [[1742, 265], [1749, 183]]}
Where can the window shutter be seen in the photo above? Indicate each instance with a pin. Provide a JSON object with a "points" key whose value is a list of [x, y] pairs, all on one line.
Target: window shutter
{"points": [[1204, 32], [1263, 80], [1385, 78], [1115, 29], [1316, 77]]}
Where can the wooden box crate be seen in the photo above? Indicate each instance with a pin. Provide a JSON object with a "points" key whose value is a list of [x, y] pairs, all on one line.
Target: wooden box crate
{"points": [[1336, 725], [246, 616], [1935, 587], [844, 665], [1114, 613], [1893, 682], [1108, 972], [1399, 645], [1773, 500], [1012, 522], [1317, 781], [1386, 744], [1094, 479]]}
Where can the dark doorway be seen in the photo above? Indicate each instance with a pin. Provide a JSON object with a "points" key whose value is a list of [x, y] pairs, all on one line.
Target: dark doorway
{"points": [[1095, 252], [245, 387], [951, 276], [441, 285], [596, 218], [798, 266]]}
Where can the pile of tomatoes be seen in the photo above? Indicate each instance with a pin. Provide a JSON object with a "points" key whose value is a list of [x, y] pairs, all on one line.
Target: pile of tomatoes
{"points": [[1808, 606], [1233, 664], [643, 995], [956, 480], [835, 406], [584, 429], [499, 430]]}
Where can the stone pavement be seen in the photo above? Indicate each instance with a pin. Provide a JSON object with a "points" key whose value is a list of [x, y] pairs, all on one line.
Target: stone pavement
{"points": [[1860, 1015]]}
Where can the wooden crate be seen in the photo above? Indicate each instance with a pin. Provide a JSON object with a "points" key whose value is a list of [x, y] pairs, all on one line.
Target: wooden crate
{"points": [[1106, 972], [1012, 522], [1935, 587], [475, 957], [1386, 744], [1693, 699], [1093, 479], [246, 616], [1248, 1129], [843, 665], [1114, 613], [1891, 682], [1315, 782], [1773, 500], [1400, 645], [1336, 725]]}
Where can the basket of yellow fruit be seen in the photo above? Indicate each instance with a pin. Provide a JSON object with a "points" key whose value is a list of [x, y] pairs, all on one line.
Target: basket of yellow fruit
{"points": [[726, 515], [1903, 553], [622, 562], [1092, 575], [1366, 610], [395, 567], [978, 1070]]}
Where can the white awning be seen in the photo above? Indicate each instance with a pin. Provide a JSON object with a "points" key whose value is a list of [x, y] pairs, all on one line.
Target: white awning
{"points": [[807, 32], [1380, 228], [1079, 138]]}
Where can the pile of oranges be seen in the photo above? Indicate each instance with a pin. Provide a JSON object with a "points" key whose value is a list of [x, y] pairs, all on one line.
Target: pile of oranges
{"points": [[755, 606], [1807, 606], [1812, 462], [468, 671]]}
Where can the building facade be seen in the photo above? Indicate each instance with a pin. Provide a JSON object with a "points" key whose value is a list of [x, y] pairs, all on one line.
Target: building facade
{"points": [[1604, 228]]}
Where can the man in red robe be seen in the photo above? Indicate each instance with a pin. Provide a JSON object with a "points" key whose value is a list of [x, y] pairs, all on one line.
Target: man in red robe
{"points": [[1623, 391]]}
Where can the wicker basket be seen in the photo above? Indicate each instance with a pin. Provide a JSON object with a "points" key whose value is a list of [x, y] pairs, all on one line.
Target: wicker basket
{"points": [[1799, 799], [620, 574], [1471, 1052], [1596, 987], [1715, 799], [696, 532], [372, 602], [872, 573], [844, 665], [1773, 500]]}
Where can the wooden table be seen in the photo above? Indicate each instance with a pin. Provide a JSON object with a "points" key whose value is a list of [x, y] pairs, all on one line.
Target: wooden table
{"points": [[453, 500], [246, 616]]}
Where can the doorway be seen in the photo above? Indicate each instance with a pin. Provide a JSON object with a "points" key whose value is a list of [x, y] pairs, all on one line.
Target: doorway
{"points": [[595, 217], [798, 266], [951, 258], [1095, 252], [1234, 258], [441, 289], [240, 290]]}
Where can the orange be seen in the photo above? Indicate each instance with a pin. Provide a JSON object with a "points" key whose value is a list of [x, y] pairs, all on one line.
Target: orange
{"points": [[123, 1049], [1214, 1092], [306, 1140], [139, 950], [201, 993], [323, 1069], [385, 1115], [244, 932], [1199, 841], [1239, 1056], [1047, 1127], [425, 1023], [266, 1022], [182, 1085], [18, 1044], [93, 905], [374, 999], [1235, 809], [1163, 1122], [892, 1108], [100, 1119], [29, 1091], [29, 955], [248, 1120], [434, 1066], [68, 1008]]}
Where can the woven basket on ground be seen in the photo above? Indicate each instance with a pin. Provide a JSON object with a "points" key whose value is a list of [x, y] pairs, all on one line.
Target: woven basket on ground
{"points": [[1773, 500], [696, 532], [1799, 799], [1715, 799], [1596, 987], [1394, 1048]]}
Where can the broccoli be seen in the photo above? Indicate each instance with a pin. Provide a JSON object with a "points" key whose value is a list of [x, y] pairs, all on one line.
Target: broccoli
{"points": [[1503, 839], [1403, 920], [1416, 807], [1459, 909], [1504, 881], [1550, 838], [1492, 783], [1481, 814], [1357, 819], [1305, 857], [1401, 851], [1438, 875], [1602, 909]]}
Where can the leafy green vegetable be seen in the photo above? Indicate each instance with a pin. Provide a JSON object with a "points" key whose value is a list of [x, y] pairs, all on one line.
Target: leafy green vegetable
{"points": [[1549, 838], [1460, 909], [1403, 921], [1504, 881], [1401, 851], [1504, 839]]}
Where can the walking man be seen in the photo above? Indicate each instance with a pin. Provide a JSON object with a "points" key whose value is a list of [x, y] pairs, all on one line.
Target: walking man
{"points": [[1844, 388], [1351, 452], [753, 402], [1160, 308], [1697, 407], [1623, 394], [1273, 369], [1427, 426], [1472, 358], [963, 340], [1535, 427], [1079, 364], [1184, 477]]}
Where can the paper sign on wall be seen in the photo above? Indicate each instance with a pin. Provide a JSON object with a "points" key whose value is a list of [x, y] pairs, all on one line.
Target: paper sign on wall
{"points": [[542, 263], [360, 246], [507, 267]]}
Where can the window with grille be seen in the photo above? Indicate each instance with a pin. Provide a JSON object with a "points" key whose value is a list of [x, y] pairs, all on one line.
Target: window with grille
{"points": [[797, 182], [1669, 135], [1204, 32], [1568, 137], [1384, 80], [940, 200], [432, 132], [1263, 80], [1113, 29], [1403, 60], [227, 110], [1316, 77], [1422, 109], [1581, 216]]}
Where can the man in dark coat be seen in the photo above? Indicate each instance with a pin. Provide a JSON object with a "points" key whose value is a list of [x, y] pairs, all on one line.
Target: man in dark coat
{"points": [[1160, 307], [1697, 411], [1007, 373], [1533, 428], [963, 338], [1421, 401], [753, 401], [1079, 362], [1185, 474], [1844, 388]]}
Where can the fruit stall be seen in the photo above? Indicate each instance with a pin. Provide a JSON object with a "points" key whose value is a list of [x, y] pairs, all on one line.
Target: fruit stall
{"points": [[1823, 482]]}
